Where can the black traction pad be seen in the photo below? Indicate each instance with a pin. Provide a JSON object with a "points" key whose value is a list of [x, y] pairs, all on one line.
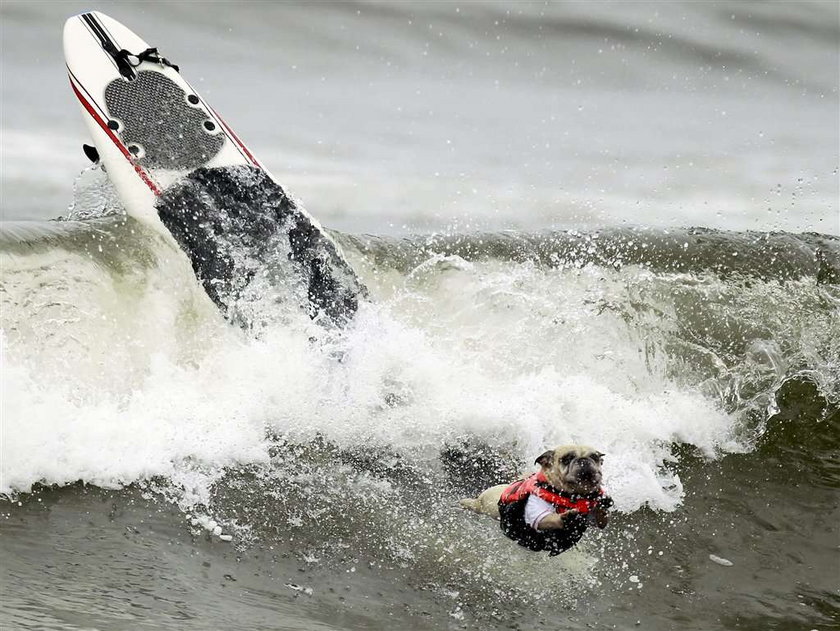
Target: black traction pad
{"points": [[154, 114]]}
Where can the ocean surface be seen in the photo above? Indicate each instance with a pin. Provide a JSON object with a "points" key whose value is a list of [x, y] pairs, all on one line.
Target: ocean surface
{"points": [[608, 223]]}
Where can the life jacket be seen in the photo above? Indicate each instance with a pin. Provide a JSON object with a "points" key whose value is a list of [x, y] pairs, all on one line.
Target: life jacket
{"points": [[512, 514]]}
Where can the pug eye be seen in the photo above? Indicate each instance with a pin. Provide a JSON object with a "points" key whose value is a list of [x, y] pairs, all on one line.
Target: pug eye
{"points": [[567, 459]]}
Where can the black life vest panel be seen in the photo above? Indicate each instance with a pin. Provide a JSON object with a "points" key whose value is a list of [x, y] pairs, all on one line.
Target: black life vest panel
{"points": [[512, 514]]}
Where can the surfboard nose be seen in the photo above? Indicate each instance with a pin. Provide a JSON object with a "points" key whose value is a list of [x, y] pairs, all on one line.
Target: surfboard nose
{"points": [[70, 30], [77, 27]]}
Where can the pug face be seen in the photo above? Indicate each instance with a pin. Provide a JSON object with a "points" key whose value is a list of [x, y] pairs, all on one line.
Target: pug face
{"points": [[573, 468]]}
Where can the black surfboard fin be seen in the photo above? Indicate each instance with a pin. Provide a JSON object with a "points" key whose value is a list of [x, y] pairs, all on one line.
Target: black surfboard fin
{"points": [[91, 153]]}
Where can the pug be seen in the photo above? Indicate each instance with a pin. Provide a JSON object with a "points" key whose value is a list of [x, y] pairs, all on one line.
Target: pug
{"points": [[552, 508]]}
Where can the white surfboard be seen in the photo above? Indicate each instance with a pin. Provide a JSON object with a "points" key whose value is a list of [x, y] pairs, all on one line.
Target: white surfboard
{"points": [[172, 160], [128, 92]]}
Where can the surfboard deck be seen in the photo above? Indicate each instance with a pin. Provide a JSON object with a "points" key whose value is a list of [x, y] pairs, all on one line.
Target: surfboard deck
{"points": [[148, 124], [176, 163]]}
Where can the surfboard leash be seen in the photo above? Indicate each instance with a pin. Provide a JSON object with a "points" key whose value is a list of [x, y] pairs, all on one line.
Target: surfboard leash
{"points": [[126, 61], [150, 54]]}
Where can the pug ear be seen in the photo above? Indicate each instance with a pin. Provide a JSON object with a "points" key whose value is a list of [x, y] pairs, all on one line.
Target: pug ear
{"points": [[545, 459]]}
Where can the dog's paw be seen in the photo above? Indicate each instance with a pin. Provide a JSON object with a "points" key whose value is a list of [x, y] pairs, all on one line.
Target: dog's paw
{"points": [[605, 502]]}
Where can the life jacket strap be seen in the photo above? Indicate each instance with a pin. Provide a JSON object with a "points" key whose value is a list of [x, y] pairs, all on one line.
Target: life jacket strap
{"points": [[538, 485]]}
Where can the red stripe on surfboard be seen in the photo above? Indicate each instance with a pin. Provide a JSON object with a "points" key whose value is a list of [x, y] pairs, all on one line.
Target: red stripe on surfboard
{"points": [[143, 175], [236, 139]]}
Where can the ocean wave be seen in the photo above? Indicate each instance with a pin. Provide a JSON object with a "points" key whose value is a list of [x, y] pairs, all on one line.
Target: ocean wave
{"points": [[517, 340], [767, 255]]}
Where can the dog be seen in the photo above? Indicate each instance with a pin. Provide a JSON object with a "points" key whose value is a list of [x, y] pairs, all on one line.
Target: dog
{"points": [[551, 509]]}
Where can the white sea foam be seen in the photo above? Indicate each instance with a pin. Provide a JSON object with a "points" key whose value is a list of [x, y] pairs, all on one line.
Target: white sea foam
{"points": [[138, 377]]}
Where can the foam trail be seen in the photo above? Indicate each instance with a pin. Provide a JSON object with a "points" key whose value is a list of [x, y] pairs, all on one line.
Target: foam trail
{"points": [[196, 394]]}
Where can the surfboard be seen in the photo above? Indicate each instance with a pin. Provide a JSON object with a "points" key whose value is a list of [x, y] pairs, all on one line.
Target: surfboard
{"points": [[173, 160], [146, 121]]}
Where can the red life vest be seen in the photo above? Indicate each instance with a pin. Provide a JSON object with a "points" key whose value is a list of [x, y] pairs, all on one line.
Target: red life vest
{"points": [[538, 485]]}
